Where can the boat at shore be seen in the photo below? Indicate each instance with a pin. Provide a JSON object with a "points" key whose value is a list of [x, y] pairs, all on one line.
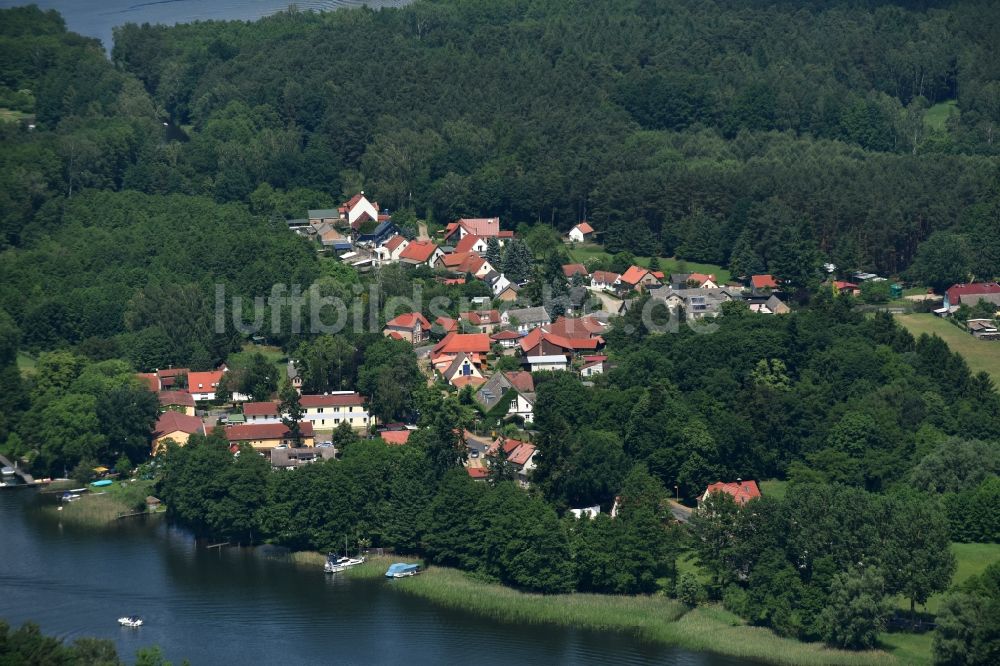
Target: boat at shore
{"points": [[335, 564], [130, 621], [402, 570]]}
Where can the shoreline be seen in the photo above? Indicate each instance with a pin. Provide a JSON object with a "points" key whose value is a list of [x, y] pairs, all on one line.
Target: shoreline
{"points": [[653, 619]]}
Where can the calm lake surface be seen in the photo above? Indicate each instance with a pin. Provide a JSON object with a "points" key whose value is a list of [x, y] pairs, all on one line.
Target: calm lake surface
{"points": [[96, 18], [235, 606]]}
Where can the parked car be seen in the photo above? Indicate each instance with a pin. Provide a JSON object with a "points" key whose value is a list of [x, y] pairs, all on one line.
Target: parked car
{"points": [[474, 454]]}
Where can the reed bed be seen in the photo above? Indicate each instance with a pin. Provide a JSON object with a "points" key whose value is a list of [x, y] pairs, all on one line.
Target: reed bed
{"points": [[651, 618]]}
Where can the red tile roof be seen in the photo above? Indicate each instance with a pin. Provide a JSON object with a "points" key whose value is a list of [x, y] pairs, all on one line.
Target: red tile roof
{"points": [[840, 285], [481, 226], [420, 251], [605, 277], [633, 275], [394, 242], [395, 335], [569, 270], [447, 323], [454, 343], [175, 421], [149, 380], [172, 372], [353, 201], [521, 454], [334, 400], [395, 437], [260, 408], [463, 262], [481, 317], [957, 293], [763, 282], [478, 472], [176, 398], [505, 234], [700, 278], [460, 381], [505, 335], [522, 380], [742, 491], [657, 274], [585, 227], [466, 244], [204, 382], [248, 431], [536, 335], [408, 320], [577, 327]]}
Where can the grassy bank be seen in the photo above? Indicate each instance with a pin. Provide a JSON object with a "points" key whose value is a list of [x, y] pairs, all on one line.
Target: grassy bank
{"points": [[98, 507], [584, 252], [651, 618], [981, 355]]}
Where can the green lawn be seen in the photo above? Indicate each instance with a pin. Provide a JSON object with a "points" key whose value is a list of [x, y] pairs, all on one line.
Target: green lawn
{"points": [[12, 116], [913, 649], [270, 352], [26, 364], [584, 252], [981, 355], [972, 560], [774, 488], [936, 116]]}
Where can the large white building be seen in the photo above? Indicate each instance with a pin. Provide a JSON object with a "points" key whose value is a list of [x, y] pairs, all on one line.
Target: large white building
{"points": [[324, 412]]}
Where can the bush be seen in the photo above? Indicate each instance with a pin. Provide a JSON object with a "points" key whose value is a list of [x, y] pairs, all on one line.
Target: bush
{"points": [[688, 590]]}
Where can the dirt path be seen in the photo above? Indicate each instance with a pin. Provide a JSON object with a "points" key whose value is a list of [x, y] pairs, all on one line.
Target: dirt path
{"points": [[422, 231]]}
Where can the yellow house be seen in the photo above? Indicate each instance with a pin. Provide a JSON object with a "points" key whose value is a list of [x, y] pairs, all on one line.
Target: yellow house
{"points": [[177, 401], [176, 426], [267, 436]]}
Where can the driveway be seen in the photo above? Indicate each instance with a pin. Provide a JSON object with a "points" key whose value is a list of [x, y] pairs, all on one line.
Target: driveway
{"points": [[422, 231], [679, 511]]}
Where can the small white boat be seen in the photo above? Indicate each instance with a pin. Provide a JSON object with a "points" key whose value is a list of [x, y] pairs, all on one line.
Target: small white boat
{"points": [[337, 564], [130, 621]]}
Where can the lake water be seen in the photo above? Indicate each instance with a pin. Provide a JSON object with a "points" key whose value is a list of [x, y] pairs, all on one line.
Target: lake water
{"points": [[233, 606], [96, 18]]}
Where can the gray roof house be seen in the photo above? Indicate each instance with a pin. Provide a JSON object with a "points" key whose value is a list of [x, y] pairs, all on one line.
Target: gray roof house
{"points": [[527, 318]]}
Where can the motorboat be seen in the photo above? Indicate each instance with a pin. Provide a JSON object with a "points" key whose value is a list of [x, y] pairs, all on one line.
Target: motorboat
{"points": [[336, 564], [402, 570], [130, 621]]}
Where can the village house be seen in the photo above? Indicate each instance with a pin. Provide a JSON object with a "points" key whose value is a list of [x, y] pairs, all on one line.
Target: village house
{"points": [[291, 458], [391, 249], [383, 232], [265, 437], [176, 401], [983, 329], [508, 293], [696, 303], [971, 294], [320, 216], [506, 339], [763, 284], [578, 327], [499, 285], [741, 491], [294, 378], [767, 305], [464, 263], [636, 278], [540, 342], [326, 412], [177, 427], [471, 243], [485, 321], [475, 345], [420, 253], [593, 365], [581, 232], [464, 370], [203, 385], [525, 319], [447, 324], [520, 455], [261, 412], [845, 288], [603, 280], [516, 389], [357, 210], [572, 270], [693, 281], [410, 326], [484, 227], [172, 379]]}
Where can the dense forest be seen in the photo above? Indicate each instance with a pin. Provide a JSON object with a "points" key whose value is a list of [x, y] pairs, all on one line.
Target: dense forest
{"points": [[760, 135]]}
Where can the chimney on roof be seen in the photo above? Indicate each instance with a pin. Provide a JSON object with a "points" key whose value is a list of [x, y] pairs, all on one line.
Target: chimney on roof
{"points": [[739, 481]]}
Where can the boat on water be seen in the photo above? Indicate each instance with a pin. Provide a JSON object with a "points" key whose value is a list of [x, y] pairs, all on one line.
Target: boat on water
{"points": [[335, 564], [402, 570], [7, 471], [130, 621]]}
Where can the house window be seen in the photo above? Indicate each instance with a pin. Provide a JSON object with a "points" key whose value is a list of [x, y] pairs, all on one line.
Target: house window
{"points": [[322, 422], [336, 420], [513, 405], [319, 411]]}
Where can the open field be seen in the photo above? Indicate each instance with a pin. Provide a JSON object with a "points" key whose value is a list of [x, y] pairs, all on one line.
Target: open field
{"points": [[584, 252], [981, 355], [936, 116], [972, 560], [774, 488]]}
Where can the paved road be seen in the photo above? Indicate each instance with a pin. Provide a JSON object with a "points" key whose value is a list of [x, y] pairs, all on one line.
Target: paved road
{"points": [[680, 512]]}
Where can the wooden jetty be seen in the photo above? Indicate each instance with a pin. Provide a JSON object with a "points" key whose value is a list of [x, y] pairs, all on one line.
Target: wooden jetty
{"points": [[26, 478]]}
